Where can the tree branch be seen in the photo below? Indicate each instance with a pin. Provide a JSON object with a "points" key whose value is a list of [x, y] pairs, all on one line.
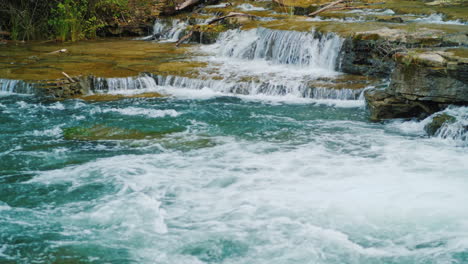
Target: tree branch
{"points": [[326, 7]]}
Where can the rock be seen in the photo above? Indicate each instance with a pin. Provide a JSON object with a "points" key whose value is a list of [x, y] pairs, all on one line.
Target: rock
{"points": [[437, 122], [391, 19], [300, 8], [383, 106], [101, 132], [364, 57], [459, 39], [423, 82], [431, 59], [428, 77]]}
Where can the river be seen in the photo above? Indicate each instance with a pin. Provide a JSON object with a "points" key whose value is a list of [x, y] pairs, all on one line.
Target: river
{"points": [[208, 174]]}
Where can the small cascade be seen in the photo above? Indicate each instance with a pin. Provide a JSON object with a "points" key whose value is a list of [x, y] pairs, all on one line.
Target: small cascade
{"points": [[226, 86], [438, 19], [15, 86], [249, 7], [120, 85], [304, 49], [169, 31], [457, 129], [298, 89]]}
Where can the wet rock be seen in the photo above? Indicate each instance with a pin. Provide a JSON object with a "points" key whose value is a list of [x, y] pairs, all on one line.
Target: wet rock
{"points": [[391, 19], [437, 122], [383, 105], [101, 132], [428, 76], [300, 8], [365, 57], [423, 82], [61, 89]]}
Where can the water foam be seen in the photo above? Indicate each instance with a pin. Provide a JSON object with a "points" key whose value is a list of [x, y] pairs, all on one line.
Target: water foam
{"points": [[169, 31], [305, 49], [437, 18], [123, 85], [264, 196], [135, 111], [249, 7], [457, 130]]}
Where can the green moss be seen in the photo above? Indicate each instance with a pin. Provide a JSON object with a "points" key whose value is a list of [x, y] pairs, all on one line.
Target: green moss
{"points": [[101, 132], [459, 52], [102, 58], [208, 28], [437, 122], [345, 81]]}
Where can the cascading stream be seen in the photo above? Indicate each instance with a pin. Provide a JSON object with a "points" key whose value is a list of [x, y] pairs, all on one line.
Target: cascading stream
{"points": [[304, 49], [15, 86], [169, 31], [235, 165], [256, 62]]}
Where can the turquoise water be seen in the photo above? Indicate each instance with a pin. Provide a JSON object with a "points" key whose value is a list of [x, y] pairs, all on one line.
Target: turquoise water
{"points": [[218, 179]]}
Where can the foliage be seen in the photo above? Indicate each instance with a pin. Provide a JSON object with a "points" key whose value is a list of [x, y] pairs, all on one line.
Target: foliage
{"points": [[63, 20], [23, 18], [72, 20]]}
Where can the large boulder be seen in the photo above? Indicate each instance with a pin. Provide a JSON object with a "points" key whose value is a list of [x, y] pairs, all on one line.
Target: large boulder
{"points": [[383, 105], [430, 76], [422, 83]]}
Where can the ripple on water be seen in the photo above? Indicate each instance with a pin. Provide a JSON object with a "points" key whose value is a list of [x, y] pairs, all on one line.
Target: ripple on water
{"points": [[245, 182]]}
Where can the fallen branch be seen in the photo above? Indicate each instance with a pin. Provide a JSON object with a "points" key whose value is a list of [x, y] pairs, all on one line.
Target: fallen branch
{"points": [[327, 7], [232, 14], [68, 77], [59, 51], [182, 39], [186, 4]]}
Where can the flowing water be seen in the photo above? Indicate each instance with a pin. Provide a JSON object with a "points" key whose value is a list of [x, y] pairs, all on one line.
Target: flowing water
{"points": [[210, 175]]}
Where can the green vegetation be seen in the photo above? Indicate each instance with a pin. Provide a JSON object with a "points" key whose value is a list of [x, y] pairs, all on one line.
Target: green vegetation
{"points": [[67, 20]]}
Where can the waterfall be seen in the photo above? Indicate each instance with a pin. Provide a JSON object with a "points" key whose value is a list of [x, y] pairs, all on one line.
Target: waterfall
{"points": [[166, 31], [249, 62], [298, 89], [172, 30], [254, 62], [161, 82], [305, 49], [15, 86], [110, 85]]}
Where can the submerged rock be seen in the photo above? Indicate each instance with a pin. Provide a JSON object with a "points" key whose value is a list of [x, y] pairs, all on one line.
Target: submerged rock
{"points": [[437, 122], [101, 132]]}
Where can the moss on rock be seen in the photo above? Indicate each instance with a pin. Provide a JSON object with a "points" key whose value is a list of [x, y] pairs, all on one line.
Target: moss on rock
{"points": [[437, 122]]}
